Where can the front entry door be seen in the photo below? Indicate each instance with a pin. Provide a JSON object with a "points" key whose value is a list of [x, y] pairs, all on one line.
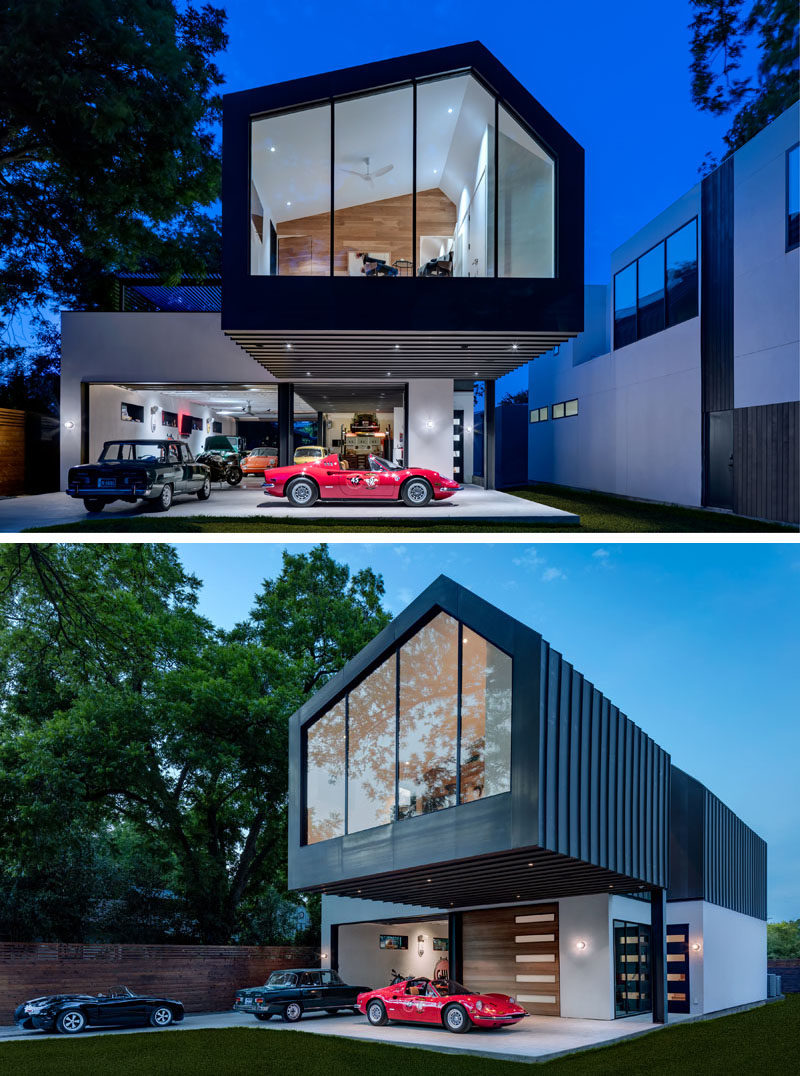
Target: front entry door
{"points": [[458, 446], [719, 465], [678, 968]]}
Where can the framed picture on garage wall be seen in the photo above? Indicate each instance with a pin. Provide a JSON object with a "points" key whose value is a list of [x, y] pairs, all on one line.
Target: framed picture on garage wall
{"points": [[394, 941], [169, 418], [441, 945]]}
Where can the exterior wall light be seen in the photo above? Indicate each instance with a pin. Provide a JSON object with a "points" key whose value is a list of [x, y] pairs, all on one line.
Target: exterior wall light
{"points": [[429, 425], [696, 947], [580, 945], [69, 424]]}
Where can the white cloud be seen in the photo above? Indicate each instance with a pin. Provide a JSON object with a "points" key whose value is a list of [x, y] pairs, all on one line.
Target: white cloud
{"points": [[551, 574], [531, 558], [601, 554]]}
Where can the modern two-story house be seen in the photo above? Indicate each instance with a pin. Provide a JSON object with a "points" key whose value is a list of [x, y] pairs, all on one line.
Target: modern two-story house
{"points": [[392, 233], [464, 799]]}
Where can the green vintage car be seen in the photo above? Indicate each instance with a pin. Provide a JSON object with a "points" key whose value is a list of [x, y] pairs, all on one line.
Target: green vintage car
{"points": [[133, 471], [226, 445]]}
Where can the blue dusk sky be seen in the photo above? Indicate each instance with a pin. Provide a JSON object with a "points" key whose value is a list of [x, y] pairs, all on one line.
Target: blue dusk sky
{"points": [[697, 643], [615, 75]]}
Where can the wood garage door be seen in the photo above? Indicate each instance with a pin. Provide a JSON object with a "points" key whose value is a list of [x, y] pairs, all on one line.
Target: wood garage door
{"points": [[515, 951]]}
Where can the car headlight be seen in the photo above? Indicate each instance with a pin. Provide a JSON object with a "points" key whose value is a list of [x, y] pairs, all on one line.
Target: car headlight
{"points": [[479, 1005]]}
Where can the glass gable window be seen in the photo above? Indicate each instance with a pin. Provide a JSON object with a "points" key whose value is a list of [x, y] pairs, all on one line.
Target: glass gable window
{"points": [[391, 748], [659, 289], [793, 198], [468, 192], [290, 193]]}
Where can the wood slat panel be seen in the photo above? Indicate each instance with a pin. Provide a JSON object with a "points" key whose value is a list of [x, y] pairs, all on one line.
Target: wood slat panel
{"points": [[766, 456], [204, 978], [12, 452], [491, 954]]}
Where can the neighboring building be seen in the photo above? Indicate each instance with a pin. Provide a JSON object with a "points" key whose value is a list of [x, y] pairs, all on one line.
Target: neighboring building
{"points": [[435, 175], [461, 792], [684, 385]]}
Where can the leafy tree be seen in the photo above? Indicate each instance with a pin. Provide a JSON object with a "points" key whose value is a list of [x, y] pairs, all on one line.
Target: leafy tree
{"points": [[783, 940], [124, 711], [29, 380], [107, 144], [520, 397], [722, 31]]}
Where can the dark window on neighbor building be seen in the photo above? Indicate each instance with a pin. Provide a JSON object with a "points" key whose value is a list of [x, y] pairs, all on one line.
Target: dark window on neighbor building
{"points": [[131, 412], [659, 289], [793, 198], [565, 409], [169, 418]]}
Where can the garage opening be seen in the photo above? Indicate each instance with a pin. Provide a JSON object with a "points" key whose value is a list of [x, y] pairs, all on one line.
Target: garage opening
{"points": [[368, 953]]}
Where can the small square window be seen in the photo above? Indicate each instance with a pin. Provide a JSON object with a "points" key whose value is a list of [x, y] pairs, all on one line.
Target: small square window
{"points": [[535, 415], [571, 407], [543, 414], [558, 410]]}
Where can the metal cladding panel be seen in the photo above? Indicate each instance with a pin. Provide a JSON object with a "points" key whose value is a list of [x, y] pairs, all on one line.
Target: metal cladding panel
{"points": [[714, 856], [604, 788], [766, 453], [716, 288]]}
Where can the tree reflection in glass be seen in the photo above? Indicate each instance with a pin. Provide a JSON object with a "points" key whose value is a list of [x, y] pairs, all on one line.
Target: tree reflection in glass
{"points": [[325, 764], [428, 718], [371, 756], [485, 718]]}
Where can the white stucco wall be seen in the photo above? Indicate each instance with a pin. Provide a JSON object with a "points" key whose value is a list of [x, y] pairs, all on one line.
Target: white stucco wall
{"points": [[143, 348], [586, 974], [430, 424], [730, 967], [766, 312]]}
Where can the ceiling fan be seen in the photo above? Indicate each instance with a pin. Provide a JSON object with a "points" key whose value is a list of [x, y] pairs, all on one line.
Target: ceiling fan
{"points": [[246, 410], [369, 175]]}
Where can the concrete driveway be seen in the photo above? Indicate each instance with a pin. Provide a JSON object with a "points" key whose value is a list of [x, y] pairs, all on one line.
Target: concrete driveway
{"points": [[472, 505], [537, 1038]]}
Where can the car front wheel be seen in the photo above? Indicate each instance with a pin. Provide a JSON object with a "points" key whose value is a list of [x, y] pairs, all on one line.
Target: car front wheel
{"points": [[292, 1012], [164, 500], [94, 504], [70, 1022], [417, 493], [455, 1019], [161, 1017], [376, 1014], [302, 493], [205, 490]]}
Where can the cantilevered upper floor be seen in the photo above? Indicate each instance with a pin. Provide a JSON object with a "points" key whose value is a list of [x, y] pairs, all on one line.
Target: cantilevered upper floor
{"points": [[423, 214]]}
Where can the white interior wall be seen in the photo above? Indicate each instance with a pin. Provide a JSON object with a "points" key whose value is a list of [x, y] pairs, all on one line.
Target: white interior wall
{"points": [[766, 277], [362, 961], [355, 910], [106, 423], [430, 424]]}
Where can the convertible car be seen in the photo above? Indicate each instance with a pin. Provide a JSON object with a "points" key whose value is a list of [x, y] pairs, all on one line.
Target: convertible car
{"points": [[139, 471], [303, 484], [441, 1003], [289, 994], [71, 1013]]}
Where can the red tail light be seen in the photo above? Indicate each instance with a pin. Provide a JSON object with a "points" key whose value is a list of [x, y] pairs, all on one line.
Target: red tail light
{"points": [[259, 1001]]}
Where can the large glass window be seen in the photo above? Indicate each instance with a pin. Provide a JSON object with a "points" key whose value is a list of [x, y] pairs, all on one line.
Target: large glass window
{"points": [[650, 292], [793, 198], [526, 203], [413, 727], [485, 719], [373, 184], [428, 719], [325, 776], [290, 193], [370, 768], [682, 274], [659, 289]]}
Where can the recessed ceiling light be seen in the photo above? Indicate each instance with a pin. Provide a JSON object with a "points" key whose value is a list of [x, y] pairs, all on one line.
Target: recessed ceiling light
{"points": [[435, 171], [514, 347], [288, 203], [397, 347], [308, 373], [449, 110], [288, 347]]}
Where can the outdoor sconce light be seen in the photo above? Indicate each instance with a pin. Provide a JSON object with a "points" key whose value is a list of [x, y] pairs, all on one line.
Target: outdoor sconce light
{"points": [[580, 945], [696, 947], [429, 425], [69, 425], [421, 944]]}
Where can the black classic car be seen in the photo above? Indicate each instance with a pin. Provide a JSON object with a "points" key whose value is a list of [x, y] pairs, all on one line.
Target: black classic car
{"points": [[71, 1013], [289, 994], [139, 471]]}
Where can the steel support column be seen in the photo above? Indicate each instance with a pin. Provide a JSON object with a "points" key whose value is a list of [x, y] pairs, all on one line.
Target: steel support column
{"points": [[285, 423], [320, 428], [658, 954], [455, 945], [488, 434]]}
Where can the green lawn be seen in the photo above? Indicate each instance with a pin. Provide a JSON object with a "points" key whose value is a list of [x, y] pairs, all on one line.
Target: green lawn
{"points": [[598, 512], [763, 1040]]}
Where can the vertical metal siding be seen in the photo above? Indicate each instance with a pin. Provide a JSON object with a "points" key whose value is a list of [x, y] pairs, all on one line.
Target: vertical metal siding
{"points": [[604, 782], [766, 453], [734, 861], [716, 288]]}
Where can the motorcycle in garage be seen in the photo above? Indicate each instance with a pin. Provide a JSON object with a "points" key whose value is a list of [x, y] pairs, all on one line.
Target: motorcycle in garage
{"points": [[222, 470]]}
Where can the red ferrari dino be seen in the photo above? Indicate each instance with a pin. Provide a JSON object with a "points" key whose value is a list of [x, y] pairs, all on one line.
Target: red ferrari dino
{"points": [[304, 483], [441, 1003]]}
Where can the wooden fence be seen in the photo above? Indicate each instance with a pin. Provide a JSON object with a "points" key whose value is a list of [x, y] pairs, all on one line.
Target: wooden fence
{"points": [[203, 977], [789, 971], [12, 451]]}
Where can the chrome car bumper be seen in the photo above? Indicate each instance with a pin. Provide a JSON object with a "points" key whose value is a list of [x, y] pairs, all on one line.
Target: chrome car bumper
{"points": [[140, 492]]}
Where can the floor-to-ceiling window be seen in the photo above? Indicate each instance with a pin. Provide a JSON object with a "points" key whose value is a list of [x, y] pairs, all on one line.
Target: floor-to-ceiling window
{"points": [[467, 192], [632, 977], [430, 727]]}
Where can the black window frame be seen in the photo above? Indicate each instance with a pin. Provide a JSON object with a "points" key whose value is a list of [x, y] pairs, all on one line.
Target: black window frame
{"points": [[789, 244], [626, 924], [344, 696], [668, 321], [538, 412], [563, 403]]}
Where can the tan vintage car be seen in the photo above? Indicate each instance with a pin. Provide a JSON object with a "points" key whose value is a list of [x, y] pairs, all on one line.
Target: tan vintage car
{"points": [[310, 454]]}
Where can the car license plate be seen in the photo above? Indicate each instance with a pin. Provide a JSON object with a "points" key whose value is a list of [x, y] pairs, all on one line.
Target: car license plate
{"points": [[107, 483]]}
